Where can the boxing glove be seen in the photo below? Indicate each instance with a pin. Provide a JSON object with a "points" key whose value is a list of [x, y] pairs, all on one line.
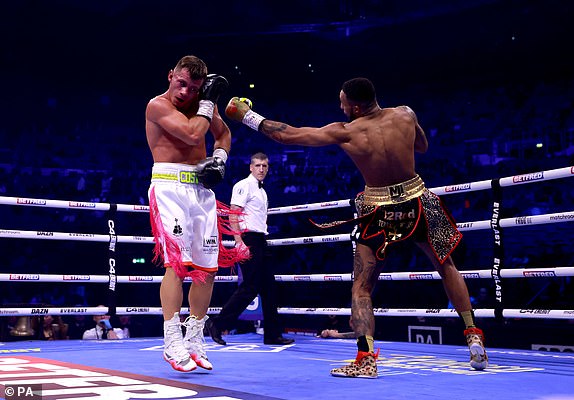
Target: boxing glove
{"points": [[210, 171], [238, 109], [213, 87]]}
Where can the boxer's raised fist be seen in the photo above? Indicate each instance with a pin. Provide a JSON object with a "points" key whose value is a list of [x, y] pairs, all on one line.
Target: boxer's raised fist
{"points": [[236, 109], [210, 171], [213, 87]]}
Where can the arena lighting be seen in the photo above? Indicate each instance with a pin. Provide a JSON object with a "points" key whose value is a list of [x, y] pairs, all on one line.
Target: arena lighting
{"points": [[138, 260], [251, 85], [539, 145]]}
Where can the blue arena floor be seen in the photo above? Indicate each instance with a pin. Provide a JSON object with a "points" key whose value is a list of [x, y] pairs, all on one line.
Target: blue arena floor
{"points": [[248, 369]]}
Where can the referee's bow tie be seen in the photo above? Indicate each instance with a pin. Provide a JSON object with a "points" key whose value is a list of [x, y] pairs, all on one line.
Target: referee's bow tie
{"points": [[260, 184]]}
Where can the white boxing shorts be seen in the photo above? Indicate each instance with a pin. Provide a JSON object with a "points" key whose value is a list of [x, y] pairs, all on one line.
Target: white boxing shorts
{"points": [[183, 216]]}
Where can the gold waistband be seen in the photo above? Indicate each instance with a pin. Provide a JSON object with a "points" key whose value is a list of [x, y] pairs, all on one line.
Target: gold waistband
{"points": [[394, 194]]}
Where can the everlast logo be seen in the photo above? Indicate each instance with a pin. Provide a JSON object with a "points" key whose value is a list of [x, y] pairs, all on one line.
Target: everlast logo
{"points": [[528, 177], [496, 277], [330, 239], [494, 223], [463, 225], [73, 310]]}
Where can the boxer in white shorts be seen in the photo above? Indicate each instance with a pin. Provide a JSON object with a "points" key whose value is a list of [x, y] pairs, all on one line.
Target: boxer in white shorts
{"points": [[184, 219]]}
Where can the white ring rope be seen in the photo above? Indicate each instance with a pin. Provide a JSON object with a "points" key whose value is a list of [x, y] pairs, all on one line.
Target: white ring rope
{"points": [[551, 272], [444, 190], [379, 312], [535, 177]]}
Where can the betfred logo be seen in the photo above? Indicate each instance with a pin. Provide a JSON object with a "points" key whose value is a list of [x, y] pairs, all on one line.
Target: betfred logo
{"points": [[528, 177], [76, 277], [457, 188], [24, 277], [33, 202], [81, 204]]}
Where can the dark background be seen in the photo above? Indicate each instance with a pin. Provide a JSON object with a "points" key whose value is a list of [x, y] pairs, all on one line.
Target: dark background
{"points": [[488, 79]]}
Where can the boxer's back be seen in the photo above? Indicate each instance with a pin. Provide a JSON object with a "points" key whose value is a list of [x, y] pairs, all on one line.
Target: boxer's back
{"points": [[382, 146]]}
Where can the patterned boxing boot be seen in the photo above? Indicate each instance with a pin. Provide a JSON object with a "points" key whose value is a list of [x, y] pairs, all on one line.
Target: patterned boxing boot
{"points": [[194, 341], [475, 341], [174, 352], [364, 366]]}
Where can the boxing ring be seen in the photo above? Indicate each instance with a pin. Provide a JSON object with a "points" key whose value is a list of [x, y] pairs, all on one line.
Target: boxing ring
{"points": [[79, 369]]}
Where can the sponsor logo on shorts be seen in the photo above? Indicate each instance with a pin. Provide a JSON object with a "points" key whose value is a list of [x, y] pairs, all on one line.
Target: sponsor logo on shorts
{"points": [[24, 277], [81, 204], [76, 277], [457, 188], [539, 274], [210, 241], [528, 177], [36, 202]]}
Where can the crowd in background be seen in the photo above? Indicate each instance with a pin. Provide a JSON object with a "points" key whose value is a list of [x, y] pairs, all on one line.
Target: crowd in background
{"points": [[102, 156]]}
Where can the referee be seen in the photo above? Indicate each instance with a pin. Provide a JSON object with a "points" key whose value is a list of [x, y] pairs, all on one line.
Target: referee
{"points": [[250, 198]]}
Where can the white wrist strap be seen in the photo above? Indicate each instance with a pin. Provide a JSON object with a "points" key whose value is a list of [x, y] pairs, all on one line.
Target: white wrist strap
{"points": [[206, 109], [252, 120], [220, 153]]}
